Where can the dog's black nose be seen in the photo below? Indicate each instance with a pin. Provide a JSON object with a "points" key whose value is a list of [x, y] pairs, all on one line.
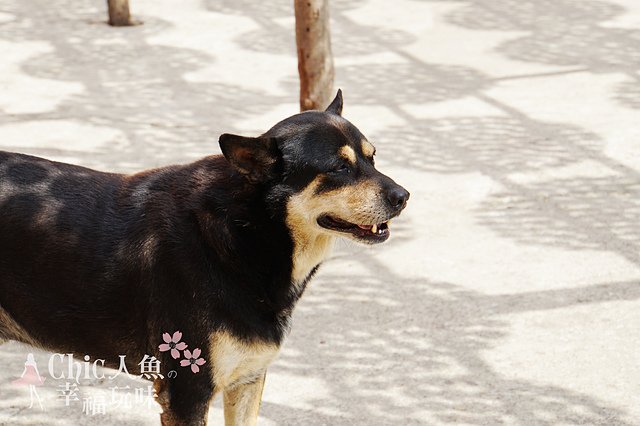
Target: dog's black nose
{"points": [[398, 197]]}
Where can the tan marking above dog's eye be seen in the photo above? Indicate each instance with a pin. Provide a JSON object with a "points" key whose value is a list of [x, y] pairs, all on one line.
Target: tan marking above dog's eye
{"points": [[348, 154], [367, 149]]}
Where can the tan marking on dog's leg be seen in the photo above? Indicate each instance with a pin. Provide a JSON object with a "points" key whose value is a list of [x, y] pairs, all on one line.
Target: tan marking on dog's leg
{"points": [[242, 403], [348, 154], [367, 149], [235, 362]]}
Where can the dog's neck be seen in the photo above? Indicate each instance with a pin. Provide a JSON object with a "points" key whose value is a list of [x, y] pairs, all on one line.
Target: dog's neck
{"points": [[311, 245], [257, 229], [273, 231], [309, 251]]}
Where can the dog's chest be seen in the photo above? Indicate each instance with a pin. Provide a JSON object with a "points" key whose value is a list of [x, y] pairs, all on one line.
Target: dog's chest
{"points": [[236, 362]]}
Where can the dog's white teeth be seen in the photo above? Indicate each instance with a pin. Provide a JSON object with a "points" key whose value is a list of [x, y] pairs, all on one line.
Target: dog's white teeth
{"points": [[374, 229]]}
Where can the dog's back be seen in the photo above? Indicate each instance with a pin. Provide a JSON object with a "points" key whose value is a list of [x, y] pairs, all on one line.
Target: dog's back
{"points": [[54, 220], [91, 261]]}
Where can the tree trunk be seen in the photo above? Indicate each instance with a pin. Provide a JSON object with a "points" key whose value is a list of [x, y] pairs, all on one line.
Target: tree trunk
{"points": [[119, 15], [315, 61]]}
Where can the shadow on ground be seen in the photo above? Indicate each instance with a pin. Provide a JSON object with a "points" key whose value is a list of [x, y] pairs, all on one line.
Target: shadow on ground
{"points": [[394, 348], [130, 85]]}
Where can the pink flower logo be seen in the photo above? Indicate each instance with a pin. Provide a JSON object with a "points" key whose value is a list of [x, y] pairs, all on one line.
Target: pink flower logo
{"points": [[173, 344], [193, 360]]}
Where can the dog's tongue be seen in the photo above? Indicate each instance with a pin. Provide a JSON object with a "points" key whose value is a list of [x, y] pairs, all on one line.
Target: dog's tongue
{"points": [[371, 228]]}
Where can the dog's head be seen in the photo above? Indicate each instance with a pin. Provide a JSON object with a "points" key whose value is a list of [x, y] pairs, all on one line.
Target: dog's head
{"points": [[325, 167]]}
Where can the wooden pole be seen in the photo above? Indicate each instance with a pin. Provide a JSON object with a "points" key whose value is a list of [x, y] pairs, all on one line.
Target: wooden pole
{"points": [[315, 60], [119, 15]]}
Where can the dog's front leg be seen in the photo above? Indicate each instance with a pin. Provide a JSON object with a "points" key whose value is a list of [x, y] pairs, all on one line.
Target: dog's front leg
{"points": [[184, 402], [242, 403]]}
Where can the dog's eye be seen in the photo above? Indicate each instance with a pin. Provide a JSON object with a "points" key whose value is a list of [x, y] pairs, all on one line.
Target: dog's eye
{"points": [[342, 168]]}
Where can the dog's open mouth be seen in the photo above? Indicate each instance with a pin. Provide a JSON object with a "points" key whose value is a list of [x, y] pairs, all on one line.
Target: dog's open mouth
{"points": [[375, 233]]}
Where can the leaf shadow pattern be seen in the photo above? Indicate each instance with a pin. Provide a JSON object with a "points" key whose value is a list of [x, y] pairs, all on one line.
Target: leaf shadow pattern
{"points": [[381, 363], [431, 83], [588, 213], [129, 84], [276, 33], [272, 10], [508, 141], [499, 145], [562, 33], [628, 93]]}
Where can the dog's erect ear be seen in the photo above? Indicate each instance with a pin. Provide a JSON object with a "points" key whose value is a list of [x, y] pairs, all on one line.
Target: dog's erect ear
{"points": [[336, 105], [253, 157]]}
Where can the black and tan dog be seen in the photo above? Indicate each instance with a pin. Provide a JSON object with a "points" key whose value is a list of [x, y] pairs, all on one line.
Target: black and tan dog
{"points": [[221, 249]]}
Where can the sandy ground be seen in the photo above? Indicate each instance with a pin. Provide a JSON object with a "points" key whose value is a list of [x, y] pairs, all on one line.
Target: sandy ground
{"points": [[509, 293]]}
